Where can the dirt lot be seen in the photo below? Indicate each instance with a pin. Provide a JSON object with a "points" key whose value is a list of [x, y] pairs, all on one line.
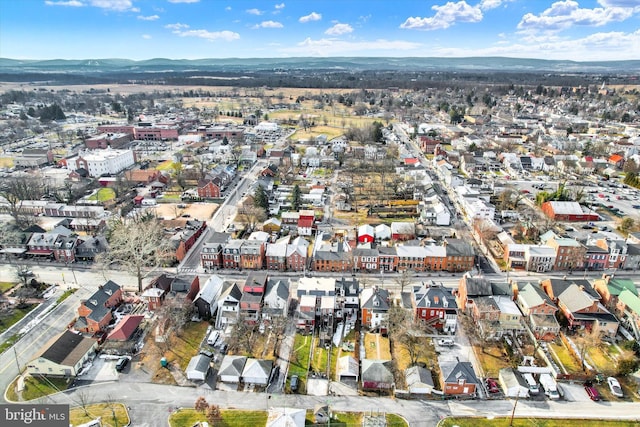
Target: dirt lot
{"points": [[202, 211]]}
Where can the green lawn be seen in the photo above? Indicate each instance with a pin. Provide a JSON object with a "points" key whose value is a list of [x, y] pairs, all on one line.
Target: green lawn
{"points": [[14, 316], [185, 346], [9, 342], [230, 418], [528, 422], [36, 387], [300, 358], [65, 295], [103, 194], [106, 413], [562, 354], [5, 286]]}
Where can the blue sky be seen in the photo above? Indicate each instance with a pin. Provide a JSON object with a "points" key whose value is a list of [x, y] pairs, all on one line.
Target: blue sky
{"points": [[192, 29]]}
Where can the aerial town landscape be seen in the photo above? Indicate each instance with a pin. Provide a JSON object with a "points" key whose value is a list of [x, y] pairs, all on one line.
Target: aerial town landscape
{"points": [[356, 241]]}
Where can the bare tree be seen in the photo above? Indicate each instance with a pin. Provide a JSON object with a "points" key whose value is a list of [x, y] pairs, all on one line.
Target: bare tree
{"points": [[84, 399], [213, 414], [137, 244], [15, 190], [398, 320], [405, 278], [201, 404], [414, 345], [175, 313], [241, 339], [586, 340]]}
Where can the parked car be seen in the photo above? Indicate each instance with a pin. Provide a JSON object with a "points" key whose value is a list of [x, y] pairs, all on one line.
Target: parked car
{"points": [[122, 363], [295, 382], [492, 385], [614, 386], [591, 391], [448, 342]]}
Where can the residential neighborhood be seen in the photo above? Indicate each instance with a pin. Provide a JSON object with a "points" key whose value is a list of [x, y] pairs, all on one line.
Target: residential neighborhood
{"points": [[485, 258]]}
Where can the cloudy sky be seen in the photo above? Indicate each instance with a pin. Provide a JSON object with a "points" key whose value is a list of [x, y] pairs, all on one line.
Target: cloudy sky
{"points": [[191, 29]]}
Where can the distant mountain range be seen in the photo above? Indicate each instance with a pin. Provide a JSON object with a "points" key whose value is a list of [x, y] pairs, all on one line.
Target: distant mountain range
{"points": [[336, 64]]}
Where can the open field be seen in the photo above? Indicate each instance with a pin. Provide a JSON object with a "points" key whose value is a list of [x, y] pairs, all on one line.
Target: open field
{"points": [[200, 210]]}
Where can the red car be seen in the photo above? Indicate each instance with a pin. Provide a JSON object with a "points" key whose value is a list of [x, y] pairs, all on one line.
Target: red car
{"points": [[591, 391], [492, 385]]}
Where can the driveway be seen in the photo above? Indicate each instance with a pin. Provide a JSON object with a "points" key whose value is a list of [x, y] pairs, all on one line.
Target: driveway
{"points": [[461, 351]]}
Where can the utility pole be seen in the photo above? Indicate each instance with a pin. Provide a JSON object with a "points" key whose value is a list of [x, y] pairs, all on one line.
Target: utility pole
{"points": [[513, 412], [15, 354]]}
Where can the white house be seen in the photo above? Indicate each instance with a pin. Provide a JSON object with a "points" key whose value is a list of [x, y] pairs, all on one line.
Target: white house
{"points": [[257, 371], [198, 368], [63, 356], [228, 305], [383, 232]]}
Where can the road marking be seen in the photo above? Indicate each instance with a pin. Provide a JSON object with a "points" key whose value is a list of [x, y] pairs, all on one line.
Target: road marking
{"points": [[34, 341]]}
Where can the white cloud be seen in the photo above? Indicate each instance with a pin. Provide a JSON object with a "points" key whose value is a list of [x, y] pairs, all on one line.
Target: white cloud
{"points": [[183, 1], [620, 3], [313, 16], [334, 47], [279, 6], [119, 5], [339, 29], [148, 18], [564, 14], [492, 4], [445, 16], [228, 8], [176, 26], [604, 46], [146, 36], [69, 3], [209, 35], [268, 24], [254, 12]]}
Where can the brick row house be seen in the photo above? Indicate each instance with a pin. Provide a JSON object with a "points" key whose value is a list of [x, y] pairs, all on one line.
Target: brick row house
{"points": [[96, 312], [252, 297]]}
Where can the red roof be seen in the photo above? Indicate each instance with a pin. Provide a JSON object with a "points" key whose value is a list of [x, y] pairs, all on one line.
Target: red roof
{"points": [[125, 327], [305, 222], [411, 161], [615, 158]]}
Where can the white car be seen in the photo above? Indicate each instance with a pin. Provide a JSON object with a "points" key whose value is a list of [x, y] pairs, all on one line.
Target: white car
{"points": [[614, 386]]}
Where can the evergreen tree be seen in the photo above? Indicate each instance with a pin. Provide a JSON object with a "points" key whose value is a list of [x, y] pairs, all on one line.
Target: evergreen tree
{"points": [[260, 199], [295, 197]]}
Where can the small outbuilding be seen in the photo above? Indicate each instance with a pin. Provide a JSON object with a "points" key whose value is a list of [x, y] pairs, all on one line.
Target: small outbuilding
{"points": [[198, 368], [347, 369], [231, 369], [513, 383], [418, 380]]}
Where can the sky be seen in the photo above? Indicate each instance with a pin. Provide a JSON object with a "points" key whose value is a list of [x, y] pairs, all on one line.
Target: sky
{"points": [[580, 30]]}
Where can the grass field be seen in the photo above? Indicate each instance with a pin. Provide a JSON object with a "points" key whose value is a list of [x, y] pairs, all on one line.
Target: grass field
{"points": [[36, 387], [103, 194], [562, 354], [111, 415], [6, 162], [230, 418], [14, 315], [5, 286], [300, 358], [377, 347], [528, 422], [491, 358]]}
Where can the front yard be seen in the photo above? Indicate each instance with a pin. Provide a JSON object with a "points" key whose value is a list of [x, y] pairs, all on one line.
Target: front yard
{"points": [[300, 359], [492, 357], [110, 414], [229, 418]]}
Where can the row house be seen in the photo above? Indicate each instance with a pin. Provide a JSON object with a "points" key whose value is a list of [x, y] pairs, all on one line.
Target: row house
{"points": [[459, 254], [228, 305], [539, 311], [595, 258], [434, 306], [317, 301], [211, 254], [58, 246], [333, 258], [628, 308], [497, 315], [610, 288], [365, 259], [252, 297], [617, 252], [95, 313], [570, 253], [184, 236], [421, 258], [207, 297], [579, 303], [387, 259], [276, 299], [347, 299], [252, 255], [306, 219], [231, 254], [209, 188], [470, 288]]}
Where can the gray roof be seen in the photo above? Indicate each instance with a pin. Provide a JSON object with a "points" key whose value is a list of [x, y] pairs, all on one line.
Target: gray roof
{"points": [[533, 296], [477, 286], [377, 371], [232, 365], [68, 349], [575, 299], [463, 370], [417, 375], [96, 301], [200, 363]]}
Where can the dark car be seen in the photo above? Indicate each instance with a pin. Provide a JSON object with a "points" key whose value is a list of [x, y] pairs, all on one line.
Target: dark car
{"points": [[295, 382], [492, 385], [122, 363], [591, 391]]}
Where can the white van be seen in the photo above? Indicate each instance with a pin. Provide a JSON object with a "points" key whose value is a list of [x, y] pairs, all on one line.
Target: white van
{"points": [[213, 337], [533, 385]]}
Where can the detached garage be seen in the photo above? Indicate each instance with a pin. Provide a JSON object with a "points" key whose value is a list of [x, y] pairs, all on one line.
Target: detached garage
{"points": [[512, 383], [348, 369], [231, 369], [198, 368]]}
